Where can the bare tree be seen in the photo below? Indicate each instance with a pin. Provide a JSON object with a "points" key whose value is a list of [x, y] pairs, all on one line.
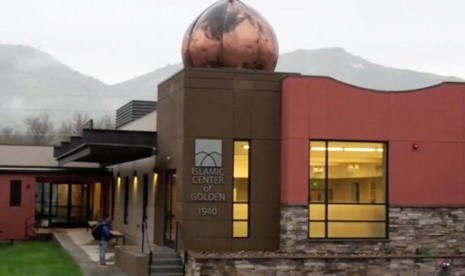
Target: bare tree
{"points": [[105, 122], [40, 129], [8, 135], [73, 127]]}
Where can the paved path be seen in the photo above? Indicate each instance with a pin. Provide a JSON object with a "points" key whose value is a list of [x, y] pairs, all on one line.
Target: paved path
{"points": [[81, 246]]}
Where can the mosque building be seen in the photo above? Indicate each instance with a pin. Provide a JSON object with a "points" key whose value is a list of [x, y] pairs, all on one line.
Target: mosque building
{"points": [[239, 162]]}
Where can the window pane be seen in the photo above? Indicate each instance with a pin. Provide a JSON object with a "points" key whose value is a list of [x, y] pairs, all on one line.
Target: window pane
{"points": [[241, 159], [316, 229], [317, 183], [240, 211], [240, 191], [316, 211], [240, 229], [356, 172], [356, 229], [62, 197], [356, 212]]}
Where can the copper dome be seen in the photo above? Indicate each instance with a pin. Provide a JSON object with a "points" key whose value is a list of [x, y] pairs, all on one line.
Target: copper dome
{"points": [[230, 34]]}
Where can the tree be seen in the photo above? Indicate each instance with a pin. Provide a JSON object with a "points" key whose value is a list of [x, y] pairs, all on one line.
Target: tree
{"points": [[40, 129], [73, 127], [105, 122], [9, 136]]}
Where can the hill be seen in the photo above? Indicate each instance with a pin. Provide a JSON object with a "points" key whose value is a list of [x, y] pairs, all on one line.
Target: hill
{"points": [[348, 68], [33, 82]]}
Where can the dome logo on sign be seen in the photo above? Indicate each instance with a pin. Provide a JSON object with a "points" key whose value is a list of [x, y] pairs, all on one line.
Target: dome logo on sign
{"points": [[208, 153]]}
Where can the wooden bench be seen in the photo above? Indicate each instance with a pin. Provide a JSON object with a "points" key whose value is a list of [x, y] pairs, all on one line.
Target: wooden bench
{"points": [[117, 235], [91, 224]]}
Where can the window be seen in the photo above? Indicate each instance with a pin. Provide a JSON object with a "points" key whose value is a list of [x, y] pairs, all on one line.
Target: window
{"points": [[15, 193], [126, 199], [241, 182], [115, 181], [347, 190], [145, 197]]}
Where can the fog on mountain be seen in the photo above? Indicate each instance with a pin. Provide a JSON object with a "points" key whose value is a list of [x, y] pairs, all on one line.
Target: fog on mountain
{"points": [[33, 83]]}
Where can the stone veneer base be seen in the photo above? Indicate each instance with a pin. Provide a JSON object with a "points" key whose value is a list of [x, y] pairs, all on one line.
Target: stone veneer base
{"points": [[420, 238]]}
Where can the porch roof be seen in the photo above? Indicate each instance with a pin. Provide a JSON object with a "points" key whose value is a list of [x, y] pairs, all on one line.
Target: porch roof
{"points": [[107, 147]]}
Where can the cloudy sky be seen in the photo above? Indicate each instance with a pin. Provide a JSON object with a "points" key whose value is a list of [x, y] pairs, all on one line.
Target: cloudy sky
{"points": [[115, 40]]}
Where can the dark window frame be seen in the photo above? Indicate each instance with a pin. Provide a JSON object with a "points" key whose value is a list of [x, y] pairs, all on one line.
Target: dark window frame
{"points": [[126, 200], [15, 193], [248, 191], [326, 202], [145, 196]]}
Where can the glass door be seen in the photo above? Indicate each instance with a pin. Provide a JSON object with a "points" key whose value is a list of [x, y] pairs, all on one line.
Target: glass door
{"points": [[59, 204], [69, 204], [79, 202]]}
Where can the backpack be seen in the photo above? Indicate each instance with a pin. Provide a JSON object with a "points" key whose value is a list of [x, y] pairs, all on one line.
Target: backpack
{"points": [[97, 232]]}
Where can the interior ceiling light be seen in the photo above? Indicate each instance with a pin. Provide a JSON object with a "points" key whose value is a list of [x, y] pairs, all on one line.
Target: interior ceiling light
{"points": [[246, 147], [347, 149]]}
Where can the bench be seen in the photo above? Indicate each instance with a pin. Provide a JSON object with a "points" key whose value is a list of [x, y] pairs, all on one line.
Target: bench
{"points": [[91, 224], [117, 235]]}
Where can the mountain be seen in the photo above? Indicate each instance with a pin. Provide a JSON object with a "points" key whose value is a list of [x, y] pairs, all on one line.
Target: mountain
{"points": [[343, 66], [32, 81], [145, 87], [332, 62]]}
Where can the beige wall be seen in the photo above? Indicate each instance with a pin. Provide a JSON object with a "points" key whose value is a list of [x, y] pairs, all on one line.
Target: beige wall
{"points": [[36, 156], [27, 156], [146, 123], [132, 230]]}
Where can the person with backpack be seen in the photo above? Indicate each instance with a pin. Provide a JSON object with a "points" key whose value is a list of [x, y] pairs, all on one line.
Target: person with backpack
{"points": [[102, 234]]}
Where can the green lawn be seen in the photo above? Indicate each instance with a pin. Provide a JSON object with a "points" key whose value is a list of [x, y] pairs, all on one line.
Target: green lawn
{"points": [[36, 258]]}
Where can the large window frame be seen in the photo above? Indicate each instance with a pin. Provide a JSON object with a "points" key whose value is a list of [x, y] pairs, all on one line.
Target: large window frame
{"points": [[241, 189], [352, 215]]}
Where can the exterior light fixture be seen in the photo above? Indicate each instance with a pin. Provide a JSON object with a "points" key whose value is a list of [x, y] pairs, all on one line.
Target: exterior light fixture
{"points": [[134, 180], [347, 149], [155, 177], [444, 264], [415, 146], [118, 181]]}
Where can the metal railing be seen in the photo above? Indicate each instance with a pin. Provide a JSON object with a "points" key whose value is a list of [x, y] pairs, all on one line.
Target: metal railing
{"points": [[179, 243], [145, 238], [28, 224]]}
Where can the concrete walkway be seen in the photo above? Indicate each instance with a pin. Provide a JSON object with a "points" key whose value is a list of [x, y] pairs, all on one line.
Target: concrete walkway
{"points": [[85, 250]]}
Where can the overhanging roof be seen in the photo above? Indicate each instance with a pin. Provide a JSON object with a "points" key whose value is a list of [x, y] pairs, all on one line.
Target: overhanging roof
{"points": [[107, 147]]}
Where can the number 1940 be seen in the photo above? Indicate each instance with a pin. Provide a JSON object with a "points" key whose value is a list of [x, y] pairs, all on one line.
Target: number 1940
{"points": [[207, 211]]}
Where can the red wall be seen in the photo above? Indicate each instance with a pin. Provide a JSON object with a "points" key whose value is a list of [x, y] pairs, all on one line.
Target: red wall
{"points": [[434, 118], [12, 219]]}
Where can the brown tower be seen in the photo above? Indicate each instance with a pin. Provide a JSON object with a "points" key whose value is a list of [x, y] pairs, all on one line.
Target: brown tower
{"points": [[218, 136]]}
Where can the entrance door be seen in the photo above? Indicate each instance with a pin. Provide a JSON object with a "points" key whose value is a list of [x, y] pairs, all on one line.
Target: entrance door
{"points": [[69, 204], [170, 201]]}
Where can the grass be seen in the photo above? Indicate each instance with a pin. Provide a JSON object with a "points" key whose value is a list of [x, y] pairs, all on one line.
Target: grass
{"points": [[36, 258]]}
